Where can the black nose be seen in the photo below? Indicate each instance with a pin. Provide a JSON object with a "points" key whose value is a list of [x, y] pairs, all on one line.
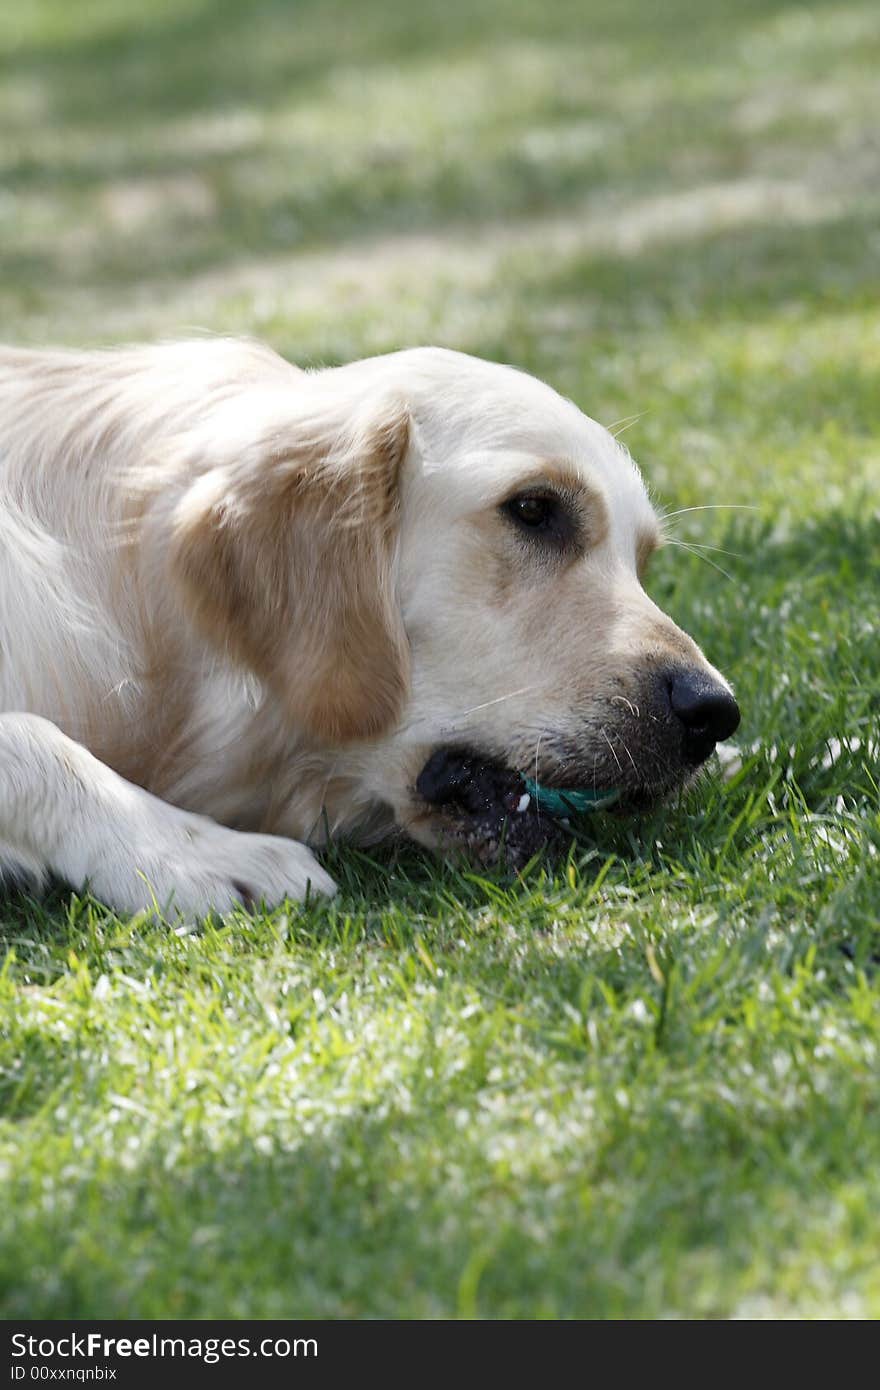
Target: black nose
{"points": [[707, 710]]}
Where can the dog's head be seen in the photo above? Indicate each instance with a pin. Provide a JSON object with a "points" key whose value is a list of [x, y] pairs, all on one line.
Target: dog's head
{"points": [[429, 551]]}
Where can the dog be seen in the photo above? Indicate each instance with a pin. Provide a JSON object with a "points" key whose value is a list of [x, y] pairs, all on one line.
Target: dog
{"points": [[242, 607]]}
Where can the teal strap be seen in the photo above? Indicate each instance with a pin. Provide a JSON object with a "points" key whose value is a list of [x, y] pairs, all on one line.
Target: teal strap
{"points": [[566, 803]]}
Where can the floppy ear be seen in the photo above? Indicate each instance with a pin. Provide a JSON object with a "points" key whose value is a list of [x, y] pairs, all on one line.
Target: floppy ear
{"points": [[284, 557]]}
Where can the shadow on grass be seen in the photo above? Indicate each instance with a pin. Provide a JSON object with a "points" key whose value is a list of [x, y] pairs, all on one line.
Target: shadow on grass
{"points": [[738, 275], [397, 1213], [217, 58], [226, 52]]}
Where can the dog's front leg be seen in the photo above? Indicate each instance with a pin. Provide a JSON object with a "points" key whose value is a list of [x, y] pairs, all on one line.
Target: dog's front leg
{"points": [[63, 812]]}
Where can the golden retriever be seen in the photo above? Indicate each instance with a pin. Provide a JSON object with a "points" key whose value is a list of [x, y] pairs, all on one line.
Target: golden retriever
{"points": [[244, 606]]}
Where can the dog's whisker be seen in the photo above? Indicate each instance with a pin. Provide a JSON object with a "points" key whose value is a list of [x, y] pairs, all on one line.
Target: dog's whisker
{"points": [[512, 695], [711, 507], [683, 545], [623, 745], [619, 426], [701, 545], [537, 778], [622, 700], [613, 754], [451, 724]]}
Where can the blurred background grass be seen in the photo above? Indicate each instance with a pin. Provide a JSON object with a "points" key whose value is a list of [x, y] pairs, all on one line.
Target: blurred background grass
{"points": [[663, 208]]}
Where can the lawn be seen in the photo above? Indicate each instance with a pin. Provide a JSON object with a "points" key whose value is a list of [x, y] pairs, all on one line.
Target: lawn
{"points": [[639, 1082]]}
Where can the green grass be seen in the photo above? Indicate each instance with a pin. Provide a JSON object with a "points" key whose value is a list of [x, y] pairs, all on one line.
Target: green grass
{"points": [[640, 1082]]}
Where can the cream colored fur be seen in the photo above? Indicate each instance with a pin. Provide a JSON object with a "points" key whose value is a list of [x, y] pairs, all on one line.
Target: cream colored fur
{"points": [[259, 597]]}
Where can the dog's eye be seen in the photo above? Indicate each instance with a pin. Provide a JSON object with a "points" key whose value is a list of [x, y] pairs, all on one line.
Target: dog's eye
{"points": [[541, 516], [533, 512]]}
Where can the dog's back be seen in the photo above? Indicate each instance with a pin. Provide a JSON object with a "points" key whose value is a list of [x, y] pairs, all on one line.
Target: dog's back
{"points": [[86, 446], [106, 692]]}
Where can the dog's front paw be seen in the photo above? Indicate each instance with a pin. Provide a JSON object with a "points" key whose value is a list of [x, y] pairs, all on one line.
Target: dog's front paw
{"points": [[186, 866]]}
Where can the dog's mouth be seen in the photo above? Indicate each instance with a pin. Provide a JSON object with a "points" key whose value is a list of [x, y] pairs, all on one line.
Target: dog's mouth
{"points": [[484, 808], [493, 811]]}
